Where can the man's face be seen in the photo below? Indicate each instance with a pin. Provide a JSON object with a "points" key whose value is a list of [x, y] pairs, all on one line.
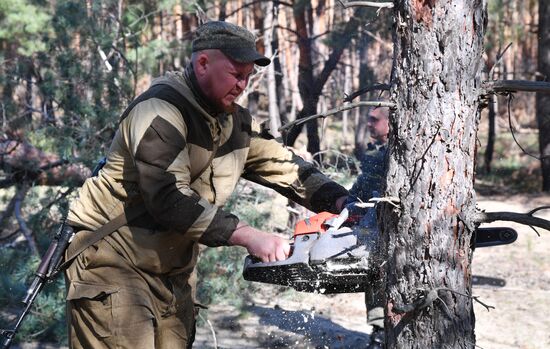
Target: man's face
{"points": [[377, 123], [222, 79]]}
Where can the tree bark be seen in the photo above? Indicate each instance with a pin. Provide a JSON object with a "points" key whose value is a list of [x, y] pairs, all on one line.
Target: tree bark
{"points": [[438, 46], [273, 107], [543, 100]]}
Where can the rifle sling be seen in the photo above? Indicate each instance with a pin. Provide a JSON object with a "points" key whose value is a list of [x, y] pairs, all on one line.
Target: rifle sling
{"points": [[91, 237], [88, 238]]}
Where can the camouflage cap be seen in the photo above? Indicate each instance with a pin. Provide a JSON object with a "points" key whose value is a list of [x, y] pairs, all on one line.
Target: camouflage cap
{"points": [[235, 42]]}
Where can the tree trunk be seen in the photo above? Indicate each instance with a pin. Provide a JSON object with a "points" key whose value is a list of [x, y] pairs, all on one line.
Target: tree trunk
{"points": [[489, 150], [543, 100], [348, 83], [438, 47], [366, 78], [284, 98], [311, 86], [306, 81], [273, 107]]}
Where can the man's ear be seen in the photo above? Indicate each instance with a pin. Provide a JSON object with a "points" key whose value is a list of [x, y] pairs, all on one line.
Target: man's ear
{"points": [[201, 64]]}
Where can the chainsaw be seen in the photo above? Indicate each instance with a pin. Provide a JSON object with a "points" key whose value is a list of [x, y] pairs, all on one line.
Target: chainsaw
{"points": [[333, 253]]}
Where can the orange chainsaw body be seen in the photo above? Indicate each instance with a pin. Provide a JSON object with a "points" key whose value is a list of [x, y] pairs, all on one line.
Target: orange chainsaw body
{"points": [[313, 224]]}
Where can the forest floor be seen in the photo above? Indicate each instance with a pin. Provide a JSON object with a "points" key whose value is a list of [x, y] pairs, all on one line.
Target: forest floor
{"points": [[515, 279]]}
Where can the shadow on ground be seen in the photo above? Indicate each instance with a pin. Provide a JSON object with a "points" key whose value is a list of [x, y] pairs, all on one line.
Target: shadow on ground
{"points": [[318, 332]]}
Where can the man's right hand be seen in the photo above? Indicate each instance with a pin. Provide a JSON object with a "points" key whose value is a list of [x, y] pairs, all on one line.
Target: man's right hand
{"points": [[265, 246]]}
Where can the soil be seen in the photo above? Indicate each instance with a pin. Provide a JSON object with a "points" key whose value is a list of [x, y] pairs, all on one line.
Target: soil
{"points": [[514, 279]]}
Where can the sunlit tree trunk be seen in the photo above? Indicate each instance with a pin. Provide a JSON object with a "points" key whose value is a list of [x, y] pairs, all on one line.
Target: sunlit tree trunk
{"points": [[273, 107], [438, 46]]}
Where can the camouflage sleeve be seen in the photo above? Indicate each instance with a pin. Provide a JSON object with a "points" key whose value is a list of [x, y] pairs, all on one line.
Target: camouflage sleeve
{"points": [[273, 165], [156, 134]]}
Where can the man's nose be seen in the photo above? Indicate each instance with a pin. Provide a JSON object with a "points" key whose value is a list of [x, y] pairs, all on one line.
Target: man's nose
{"points": [[241, 84]]}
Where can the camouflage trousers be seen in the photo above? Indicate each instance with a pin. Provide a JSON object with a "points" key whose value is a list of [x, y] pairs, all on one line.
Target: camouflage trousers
{"points": [[374, 300], [112, 304]]}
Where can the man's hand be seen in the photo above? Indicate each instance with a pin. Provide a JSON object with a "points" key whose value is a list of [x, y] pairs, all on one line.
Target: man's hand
{"points": [[265, 246]]}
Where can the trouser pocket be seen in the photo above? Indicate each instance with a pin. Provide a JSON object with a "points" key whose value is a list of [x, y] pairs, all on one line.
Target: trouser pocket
{"points": [[91, 309], [107, 317]]}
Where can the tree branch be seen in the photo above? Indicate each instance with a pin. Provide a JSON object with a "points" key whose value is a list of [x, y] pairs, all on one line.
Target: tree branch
{"points": [[347, 4], [499, 59], [336, 110], [506, 86], [7, 213], [275, 2], [510, 97], [19, 197], [522, 218], [374, 87], [428, 297]]}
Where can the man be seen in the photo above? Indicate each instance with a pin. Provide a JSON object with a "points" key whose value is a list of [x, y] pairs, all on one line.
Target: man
{"points": [[370, 182], [178, 153], [373, 158]]}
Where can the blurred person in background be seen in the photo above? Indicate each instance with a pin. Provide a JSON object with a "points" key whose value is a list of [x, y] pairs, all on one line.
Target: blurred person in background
{"points": [[371, 182]]}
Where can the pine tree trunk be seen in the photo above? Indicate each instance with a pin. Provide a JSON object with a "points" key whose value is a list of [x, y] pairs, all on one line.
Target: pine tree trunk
{"points": [[348, 83], [273, 106], [306, 81], [543, 100], [438, 48], [489, 149], [366, 78]]}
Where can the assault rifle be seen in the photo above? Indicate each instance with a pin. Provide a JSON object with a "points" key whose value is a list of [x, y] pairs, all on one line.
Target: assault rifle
{"points": [[46, 272], [49, 268]]}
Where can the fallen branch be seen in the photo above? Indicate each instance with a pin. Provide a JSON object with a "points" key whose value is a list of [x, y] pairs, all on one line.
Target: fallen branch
{"points": [[22, 161], [336, 110]]}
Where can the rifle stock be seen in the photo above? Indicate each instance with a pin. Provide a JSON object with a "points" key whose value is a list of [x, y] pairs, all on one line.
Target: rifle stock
{"points": [[46, 272], [50, 266]]}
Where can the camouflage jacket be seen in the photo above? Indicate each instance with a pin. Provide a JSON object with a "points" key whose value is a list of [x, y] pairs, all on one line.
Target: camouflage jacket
{"points": [[373, 171], [165, 138]]}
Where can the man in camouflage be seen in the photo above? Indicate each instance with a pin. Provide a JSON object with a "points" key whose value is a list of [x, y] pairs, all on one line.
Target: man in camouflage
{"points": [[373, 158], [179, 151], [369, 182]]}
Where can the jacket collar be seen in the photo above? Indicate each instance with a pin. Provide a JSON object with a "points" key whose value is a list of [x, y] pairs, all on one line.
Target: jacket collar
{"points": [[192, 82], [178, 81]]}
